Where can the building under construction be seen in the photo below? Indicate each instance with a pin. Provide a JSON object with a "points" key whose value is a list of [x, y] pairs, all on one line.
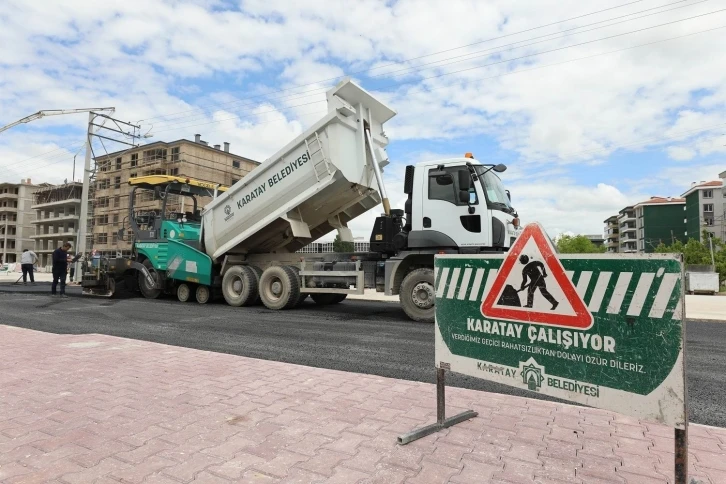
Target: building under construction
{"points": [[108, 211], [57, 210]]}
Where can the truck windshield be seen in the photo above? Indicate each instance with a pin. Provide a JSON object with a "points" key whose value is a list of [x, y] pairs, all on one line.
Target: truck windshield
{"points": [[493, 188]]}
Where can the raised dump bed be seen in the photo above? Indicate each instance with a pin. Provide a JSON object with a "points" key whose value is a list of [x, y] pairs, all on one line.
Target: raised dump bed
{"points": [[315, 184]]}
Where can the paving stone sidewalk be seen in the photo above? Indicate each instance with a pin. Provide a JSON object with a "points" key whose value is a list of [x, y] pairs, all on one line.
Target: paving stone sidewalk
{"points": [[93, 408]]}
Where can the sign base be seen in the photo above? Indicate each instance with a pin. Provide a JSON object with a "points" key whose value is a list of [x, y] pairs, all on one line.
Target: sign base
{"points": [[441, 421]]}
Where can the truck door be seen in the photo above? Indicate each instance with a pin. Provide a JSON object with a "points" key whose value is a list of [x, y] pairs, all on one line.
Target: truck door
{"points": [[444, 211]]}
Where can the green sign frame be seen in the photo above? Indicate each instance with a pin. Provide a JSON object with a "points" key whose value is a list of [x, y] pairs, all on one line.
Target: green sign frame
{"points": [[630, 360]]}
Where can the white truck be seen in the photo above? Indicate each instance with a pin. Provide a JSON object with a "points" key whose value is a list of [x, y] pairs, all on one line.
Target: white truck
{"points": [[319, 182]]}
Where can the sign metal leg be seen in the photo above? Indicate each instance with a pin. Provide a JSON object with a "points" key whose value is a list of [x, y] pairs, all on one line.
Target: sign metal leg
{"points": [[441, 421], [681, 457]]}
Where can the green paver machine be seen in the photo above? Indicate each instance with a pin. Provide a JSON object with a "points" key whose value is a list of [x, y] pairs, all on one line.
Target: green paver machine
{"points": [[165, 251]]}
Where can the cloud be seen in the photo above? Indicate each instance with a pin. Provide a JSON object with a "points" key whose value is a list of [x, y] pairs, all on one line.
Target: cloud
{"points": [[215, 67]]}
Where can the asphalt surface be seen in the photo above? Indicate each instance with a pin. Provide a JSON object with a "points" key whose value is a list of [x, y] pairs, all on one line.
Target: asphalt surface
{"points": [[358, 336]]}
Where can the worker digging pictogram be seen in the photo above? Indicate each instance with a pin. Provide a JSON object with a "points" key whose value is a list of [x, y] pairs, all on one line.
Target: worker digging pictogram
{"points": [[532, 286]]}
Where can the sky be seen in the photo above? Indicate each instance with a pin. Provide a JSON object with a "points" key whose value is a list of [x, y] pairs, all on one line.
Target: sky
{"points": [[592, 105]]}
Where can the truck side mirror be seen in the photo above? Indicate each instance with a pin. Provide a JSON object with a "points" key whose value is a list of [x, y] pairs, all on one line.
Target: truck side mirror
{"points": [[464, 180], [500, 168], [464, 196]]}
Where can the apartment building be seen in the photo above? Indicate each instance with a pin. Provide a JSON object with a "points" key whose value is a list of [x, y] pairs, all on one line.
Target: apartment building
{"points": [[706, 208], [57, 212], [16, 219], [659, 220], [612, 234], [194, 159], [627, 241]]}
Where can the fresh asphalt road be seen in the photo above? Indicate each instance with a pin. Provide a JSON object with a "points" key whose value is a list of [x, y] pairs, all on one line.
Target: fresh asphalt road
{"points": [[358, 336]]}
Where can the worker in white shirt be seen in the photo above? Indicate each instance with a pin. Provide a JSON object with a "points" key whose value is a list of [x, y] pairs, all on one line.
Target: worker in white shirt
{"points": [[27, 259]]}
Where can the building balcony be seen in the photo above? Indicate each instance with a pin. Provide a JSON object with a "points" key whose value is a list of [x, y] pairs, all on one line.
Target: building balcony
{"points": [[59, 203], [8, 209], [54, 220], [9, 196], [55, 235], [625, 230]]}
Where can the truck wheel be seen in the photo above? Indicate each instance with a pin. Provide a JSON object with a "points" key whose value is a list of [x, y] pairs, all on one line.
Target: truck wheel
{"points": [[279, 287], [148, 291], [303, 295], [183, 292], [417, 295], [202, 294], [339, 298], [325, 299], [239, 286]]}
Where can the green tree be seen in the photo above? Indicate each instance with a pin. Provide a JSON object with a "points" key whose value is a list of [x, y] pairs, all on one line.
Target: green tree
{"points": [[340, 246], [577, 244], [697, 252]]}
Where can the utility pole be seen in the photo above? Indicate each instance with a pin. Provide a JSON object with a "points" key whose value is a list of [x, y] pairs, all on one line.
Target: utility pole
{"points": [[710, 242], [83, 221]]}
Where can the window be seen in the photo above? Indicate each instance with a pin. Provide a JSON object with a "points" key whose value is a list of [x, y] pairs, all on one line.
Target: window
{"points": [[174, 171], [175, 154], [103, 165], [102, 220], [708, 207], [102, 202], [114, 238], [117, 201], [117, 182], [235, 164], [102, 238], [118, 163], [709, 221], [154, 155], [134, 160], [132, 174], [156, 171], [115, 219], [708, 194], [103, 184], [449, 193]]}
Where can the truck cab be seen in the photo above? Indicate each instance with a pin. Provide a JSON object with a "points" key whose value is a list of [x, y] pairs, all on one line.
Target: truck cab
{"points": [[454, 206]]}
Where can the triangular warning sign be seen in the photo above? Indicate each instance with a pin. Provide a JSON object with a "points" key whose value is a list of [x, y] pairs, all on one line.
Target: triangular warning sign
{"points": [[532, 286]]}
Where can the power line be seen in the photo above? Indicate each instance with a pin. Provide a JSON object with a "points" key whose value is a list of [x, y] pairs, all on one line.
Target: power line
{"points": [[413, 58], [470, 55], [522, 57]]}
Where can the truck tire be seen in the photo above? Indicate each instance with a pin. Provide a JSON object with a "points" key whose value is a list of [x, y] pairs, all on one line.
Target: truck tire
{"points": [[303, 295], [325, 299], [239, 286], [146, 290], [279, 287], [183, 292], [417, 295], [203, 294]]}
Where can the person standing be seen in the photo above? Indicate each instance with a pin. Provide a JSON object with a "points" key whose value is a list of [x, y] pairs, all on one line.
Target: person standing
{"points": [[60, 268], [27, 260]]}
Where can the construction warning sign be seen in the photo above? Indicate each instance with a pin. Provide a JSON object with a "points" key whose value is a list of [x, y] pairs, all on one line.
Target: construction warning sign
{"points": [[532, 285], [602, 330]]}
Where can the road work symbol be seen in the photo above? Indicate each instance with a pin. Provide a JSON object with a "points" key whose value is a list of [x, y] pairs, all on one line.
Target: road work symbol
{"points": [[532, 286]]}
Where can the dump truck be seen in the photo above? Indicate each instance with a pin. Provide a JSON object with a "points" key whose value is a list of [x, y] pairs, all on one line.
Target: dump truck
{"points": [[249, 234]]}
